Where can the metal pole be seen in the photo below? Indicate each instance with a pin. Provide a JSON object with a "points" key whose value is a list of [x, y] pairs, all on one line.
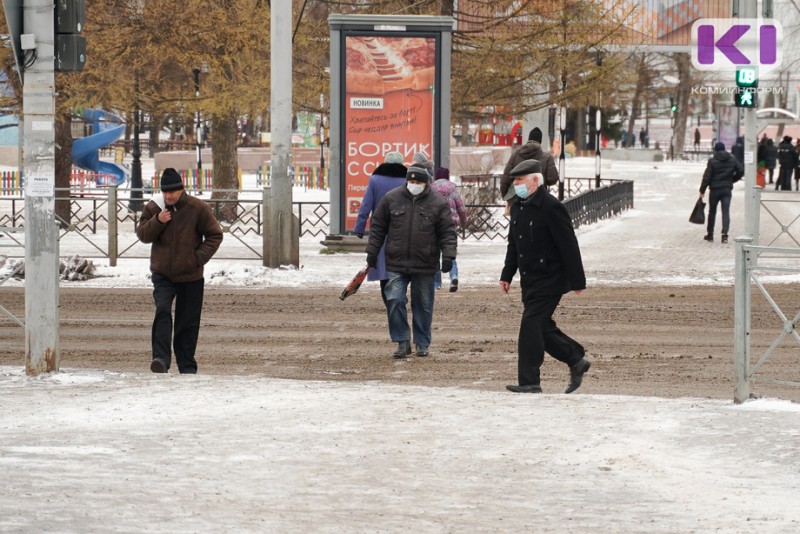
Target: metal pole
{"points": [[321, 134], [136, 203], [113, 249], [562, 125], [38, 168], [597, 146], [198, 133], [281, 106], [741, 321]]}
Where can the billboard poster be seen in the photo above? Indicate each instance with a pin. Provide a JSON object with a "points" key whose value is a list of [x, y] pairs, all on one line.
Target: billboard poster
{"points": [[727, 125], [388, 106]]}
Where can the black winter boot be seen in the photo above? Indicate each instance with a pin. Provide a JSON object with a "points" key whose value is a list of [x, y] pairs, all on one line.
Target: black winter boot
{"points": [[403, 349]]}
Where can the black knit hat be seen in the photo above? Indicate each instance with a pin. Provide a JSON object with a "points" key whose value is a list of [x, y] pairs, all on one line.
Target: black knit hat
{"points": [[417, 173], [535, 135], [719, 147], [171, 180]]}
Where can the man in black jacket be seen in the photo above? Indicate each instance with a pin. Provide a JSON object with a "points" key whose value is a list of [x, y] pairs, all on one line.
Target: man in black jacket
{"points": [[416, 225], [721, 173], [787, 157], [542, 246]]}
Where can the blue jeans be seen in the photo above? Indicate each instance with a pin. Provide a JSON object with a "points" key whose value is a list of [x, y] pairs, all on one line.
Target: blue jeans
{"points": [[421, 307], [437, 278], [717, 197]]}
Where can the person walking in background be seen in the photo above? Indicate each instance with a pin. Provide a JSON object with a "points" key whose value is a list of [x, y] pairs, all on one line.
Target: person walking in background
{"points": [[184, 236], [543, 248], [697, 138], [415, 224], [770, 159], [787, 157], [737, 150], [722, 171], [797, 167], [421, 161], [389, 175], [458, 213], [530, 150]]}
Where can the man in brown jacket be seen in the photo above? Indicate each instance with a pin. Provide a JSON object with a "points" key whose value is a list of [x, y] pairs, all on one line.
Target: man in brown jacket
{"points": [[184, 236], [530, 150]]}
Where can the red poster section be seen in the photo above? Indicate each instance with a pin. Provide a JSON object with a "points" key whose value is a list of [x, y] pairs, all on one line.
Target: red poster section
{"points": [[388, 107]]}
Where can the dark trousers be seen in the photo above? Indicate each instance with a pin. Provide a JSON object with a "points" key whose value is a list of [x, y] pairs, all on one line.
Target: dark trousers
{"points": [[719, 196], [784, 182], [538, 333], [188, 298]]}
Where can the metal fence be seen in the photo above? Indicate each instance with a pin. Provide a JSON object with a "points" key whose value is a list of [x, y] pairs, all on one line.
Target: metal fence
{"points": [[102, 224], [774, 249]]}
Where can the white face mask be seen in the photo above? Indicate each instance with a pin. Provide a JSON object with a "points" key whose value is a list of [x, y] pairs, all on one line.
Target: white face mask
{"points": [[415, 189]]}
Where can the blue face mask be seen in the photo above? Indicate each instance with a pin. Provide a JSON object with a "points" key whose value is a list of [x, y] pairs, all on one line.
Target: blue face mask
{"points": [[521, 190]]}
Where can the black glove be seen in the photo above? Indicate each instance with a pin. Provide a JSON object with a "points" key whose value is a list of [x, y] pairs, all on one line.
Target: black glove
{"points": [[360, 236], [372, 260], [447, 265]]}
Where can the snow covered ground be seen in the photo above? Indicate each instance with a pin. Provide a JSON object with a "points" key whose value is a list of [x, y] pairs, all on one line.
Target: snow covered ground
{"points": [[95, 451]]}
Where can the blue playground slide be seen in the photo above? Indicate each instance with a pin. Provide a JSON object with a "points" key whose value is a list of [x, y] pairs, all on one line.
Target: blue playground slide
{"points": [[107, 128]]}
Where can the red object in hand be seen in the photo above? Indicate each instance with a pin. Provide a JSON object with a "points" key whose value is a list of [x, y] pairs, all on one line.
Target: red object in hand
{"points": [[355, 283]]}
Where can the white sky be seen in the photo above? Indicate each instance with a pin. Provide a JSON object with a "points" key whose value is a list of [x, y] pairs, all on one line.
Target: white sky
{"points": [[95, 451]]}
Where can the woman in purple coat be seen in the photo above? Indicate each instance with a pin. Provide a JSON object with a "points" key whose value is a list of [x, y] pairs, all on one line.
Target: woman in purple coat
{"points": [[389, 175]]}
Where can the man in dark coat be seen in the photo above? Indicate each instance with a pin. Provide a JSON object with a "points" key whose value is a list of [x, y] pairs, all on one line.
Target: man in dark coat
{"points": [[530, 150], [721, 172], [415, 223], [737, 150], [770, 159], [542, 246], [787, 157], [184, 236]]}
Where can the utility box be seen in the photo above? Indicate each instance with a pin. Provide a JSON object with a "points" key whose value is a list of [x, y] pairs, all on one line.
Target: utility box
{"points": [[70, 16], [70, 47], [70, 52]]}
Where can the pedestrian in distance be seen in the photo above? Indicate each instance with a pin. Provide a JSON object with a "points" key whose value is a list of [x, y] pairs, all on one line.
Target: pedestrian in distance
{"points": [[722, 171], [415, 224], [797, 167], [787, 157], [530, 150], [737, 150], [770, 159], [458, 212], [185, 235], [388, 175], [421, 161], [697, 138], [543, 248]]}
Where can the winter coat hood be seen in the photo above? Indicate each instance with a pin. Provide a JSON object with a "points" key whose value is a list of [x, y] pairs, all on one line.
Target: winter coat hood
{"points": [[392, 170]]}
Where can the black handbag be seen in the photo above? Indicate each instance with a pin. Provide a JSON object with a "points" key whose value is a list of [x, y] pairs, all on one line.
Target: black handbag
{"points": [[698, 215]]}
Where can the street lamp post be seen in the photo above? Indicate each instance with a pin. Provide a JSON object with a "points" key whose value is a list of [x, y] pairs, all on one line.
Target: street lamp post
{"points": [[135, 203], [321, 133], [198, 134], [597, 146], [562, 125]]}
